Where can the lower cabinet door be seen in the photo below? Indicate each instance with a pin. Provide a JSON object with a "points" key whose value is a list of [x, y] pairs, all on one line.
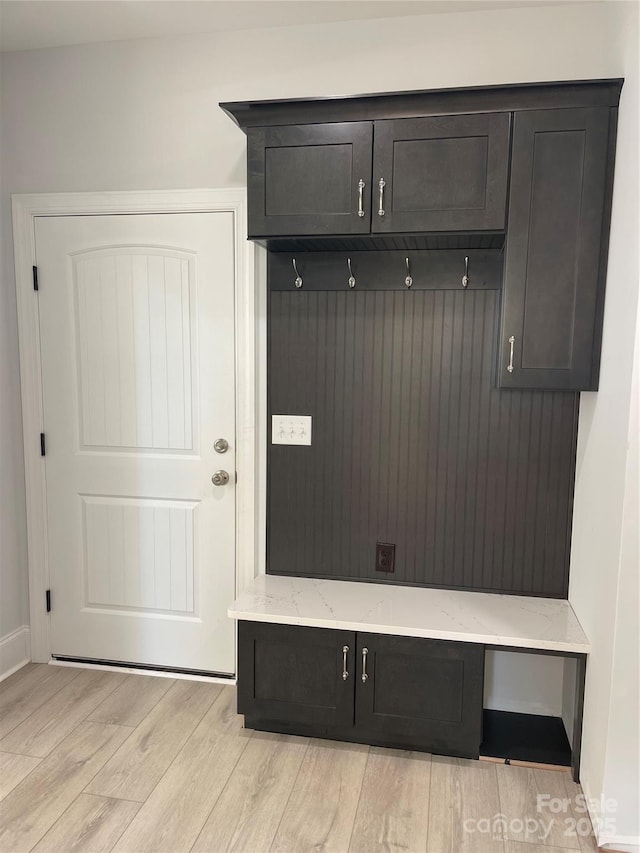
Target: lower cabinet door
{"points": [[421, 694], [292, 674]]}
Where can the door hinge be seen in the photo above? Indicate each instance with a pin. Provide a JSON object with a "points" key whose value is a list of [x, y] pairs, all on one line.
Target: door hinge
{"points": [[43, 447], [48, 600], [35, 278]]}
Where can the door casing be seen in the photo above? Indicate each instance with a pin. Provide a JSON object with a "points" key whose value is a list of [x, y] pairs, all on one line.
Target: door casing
{"points": [[26, 207]]}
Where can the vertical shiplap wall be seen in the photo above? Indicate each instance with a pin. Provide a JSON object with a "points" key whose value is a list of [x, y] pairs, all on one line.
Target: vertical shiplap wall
{"points": [[414, 445]]}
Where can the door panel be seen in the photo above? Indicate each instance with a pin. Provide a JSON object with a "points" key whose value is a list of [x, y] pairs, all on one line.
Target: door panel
{"points": [[294, 674], [137, 341], [134, 345], [139, 553], [552, 253], [442, 173], [427, 693], [304, 180]]}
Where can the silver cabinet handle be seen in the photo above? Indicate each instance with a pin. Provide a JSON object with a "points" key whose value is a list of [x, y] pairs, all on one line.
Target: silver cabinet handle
{"points": [[220, 478], [382, 184], [512, 341], [361, 186], [365, 652], [345, 673]]}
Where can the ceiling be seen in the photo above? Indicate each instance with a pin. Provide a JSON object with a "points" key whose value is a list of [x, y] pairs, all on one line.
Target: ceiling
{"points": [[32, 24]]}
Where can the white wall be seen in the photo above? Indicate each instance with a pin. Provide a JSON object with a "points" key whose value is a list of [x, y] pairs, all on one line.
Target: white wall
{"points": [[621, 776], [603, 587], [144, 115], [14, 610], [526, 684]]}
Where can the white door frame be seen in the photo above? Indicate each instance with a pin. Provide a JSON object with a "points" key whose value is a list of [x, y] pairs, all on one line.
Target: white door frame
{"points": [[25, 208]]}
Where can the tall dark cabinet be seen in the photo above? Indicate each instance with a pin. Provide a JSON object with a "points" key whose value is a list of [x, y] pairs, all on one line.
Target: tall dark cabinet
{"points": [[555, 251]]}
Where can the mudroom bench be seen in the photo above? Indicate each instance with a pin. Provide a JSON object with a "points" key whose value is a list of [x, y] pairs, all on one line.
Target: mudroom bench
{"points": [[402, 666]]}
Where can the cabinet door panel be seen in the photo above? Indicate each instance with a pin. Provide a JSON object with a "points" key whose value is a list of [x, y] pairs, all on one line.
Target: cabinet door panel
{"points": [[443, 173], [304, 179], [553, 271], [294, 674], [425, 693]]}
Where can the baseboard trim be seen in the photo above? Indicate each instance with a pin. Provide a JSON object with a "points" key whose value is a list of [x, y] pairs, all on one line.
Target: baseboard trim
{"points": [[15, 651], [622, 844]]}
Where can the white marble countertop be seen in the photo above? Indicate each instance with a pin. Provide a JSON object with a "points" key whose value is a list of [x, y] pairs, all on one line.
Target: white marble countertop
{"points": [[445, 614]]}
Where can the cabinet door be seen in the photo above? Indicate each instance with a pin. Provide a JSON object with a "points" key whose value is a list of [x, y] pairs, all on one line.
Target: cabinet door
{"points": [[305, 179], [294, 674], [442, 173], [421, 693], [554, 271]]}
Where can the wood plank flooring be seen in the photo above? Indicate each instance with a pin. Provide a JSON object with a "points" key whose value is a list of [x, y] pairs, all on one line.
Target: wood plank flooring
{"points": [[101, 761]]}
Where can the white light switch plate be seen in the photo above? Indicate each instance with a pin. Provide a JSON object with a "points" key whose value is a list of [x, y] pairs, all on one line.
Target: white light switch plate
{"points": [[291, 429]]}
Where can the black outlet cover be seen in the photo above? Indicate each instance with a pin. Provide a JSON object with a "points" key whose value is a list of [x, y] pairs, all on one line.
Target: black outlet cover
{"points": [[385, 557]]}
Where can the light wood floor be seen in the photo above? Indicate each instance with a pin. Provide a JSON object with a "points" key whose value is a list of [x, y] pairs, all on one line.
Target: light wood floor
{"points": [[101, 761]]}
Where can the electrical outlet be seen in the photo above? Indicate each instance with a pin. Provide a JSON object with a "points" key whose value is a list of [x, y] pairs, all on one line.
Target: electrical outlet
{"points": [[385, 557], [291, 429]]}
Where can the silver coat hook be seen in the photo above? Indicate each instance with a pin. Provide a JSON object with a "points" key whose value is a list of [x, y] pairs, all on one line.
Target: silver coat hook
{"points": [[352, 281], [408, 280], [465, 277], [298, 281]]}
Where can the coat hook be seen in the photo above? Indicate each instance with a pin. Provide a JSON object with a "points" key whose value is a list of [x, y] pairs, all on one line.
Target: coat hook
{"points": [[298, 281], [465, 277], [408, 280], [352, 281]]}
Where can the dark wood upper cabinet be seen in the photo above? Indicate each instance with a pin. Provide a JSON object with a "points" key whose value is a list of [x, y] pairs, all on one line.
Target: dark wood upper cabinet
{"points": [[310, 179], [441, 173], [528, 164], [555, 257]]}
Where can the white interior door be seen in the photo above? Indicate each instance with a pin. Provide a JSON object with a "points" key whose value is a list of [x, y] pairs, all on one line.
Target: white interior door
{"points": [[137, 346]]}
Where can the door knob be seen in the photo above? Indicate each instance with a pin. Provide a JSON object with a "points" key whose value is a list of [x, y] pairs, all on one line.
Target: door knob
{"points": [[220, 478], [221, 445]]}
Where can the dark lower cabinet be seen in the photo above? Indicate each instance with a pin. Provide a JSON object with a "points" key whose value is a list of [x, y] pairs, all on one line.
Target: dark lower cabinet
{"points": [[391, 691], [556, 249], [294, 674], [421, 691]]}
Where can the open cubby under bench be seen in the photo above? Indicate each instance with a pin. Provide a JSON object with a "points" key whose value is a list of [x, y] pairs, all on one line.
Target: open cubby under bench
{"points": [[401, 666]]}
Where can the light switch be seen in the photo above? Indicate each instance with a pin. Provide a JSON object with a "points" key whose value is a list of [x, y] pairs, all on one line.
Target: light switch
{"points": [[291, 429]]}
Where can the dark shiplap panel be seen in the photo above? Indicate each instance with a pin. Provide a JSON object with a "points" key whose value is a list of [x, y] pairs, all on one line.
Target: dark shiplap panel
{"points": [[413, 444]]}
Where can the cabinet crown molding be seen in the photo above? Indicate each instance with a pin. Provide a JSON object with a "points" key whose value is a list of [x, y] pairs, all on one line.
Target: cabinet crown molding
{"points": [[427, 102]]}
